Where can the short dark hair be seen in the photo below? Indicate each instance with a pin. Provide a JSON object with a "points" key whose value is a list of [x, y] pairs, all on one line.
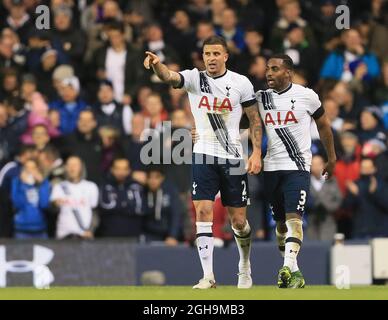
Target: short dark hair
{"points": [[25, 148], [156, 168], [114, 25], [215, 40], [51, 152], [287, 61], [120, 157]]}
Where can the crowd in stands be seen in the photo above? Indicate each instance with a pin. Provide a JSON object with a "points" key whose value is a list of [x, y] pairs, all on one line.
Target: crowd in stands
{"points": [[75, 101]]}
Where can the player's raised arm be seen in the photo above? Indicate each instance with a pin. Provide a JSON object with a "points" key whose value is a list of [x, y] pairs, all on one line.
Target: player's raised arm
{"points": [[256, 132], [152, 61], [326, 136]]}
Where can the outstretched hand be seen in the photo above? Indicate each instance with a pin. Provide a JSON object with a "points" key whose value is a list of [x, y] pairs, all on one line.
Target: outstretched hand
{"points": [[151, 59]]}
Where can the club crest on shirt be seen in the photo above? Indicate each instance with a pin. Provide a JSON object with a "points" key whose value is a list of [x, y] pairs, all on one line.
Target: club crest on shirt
{"points": [[227, 90], [293, 102]]}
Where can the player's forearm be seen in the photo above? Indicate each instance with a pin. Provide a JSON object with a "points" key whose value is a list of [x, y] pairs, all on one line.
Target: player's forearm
{"points": [[165, 74], [327, 140], [255, 127], [256, 133]]}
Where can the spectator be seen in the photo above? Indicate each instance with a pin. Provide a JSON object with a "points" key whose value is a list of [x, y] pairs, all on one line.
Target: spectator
{"points": [[53, 170], [217, 9], [155, 112], [111, 113], [332, 112], [142, 96], [137, 21], [62, 72], [175, 97], [347, 169], [133, 145], [49, 60], [254, 47], [92, 15], [368, 199], [232, 33], [10, 84], [350, 103], [18, 19], [40, 42], [5, 150], [76, 198], [51, 164], [163, 210], [72, 41], [40, 137], [204, 30], [350, 61], [371, 125], [290, 12], [155, 42], [348, 165], [181, 37], [179, 171], [69, 105], [377, 150], [111, 146], [301, 52], [12, 51], [17, 121], [199, 10], [251, 14], [30, 196], [119, 62], [27, 88], [379, 29], [257, 72], [8, 172], [324, 26], [86, 144], [38, 116], [120, 203], [380, 94], [325, 199]]}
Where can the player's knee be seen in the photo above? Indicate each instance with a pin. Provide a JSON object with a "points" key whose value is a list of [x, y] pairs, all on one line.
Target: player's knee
{"points": [[238, 223], [295, 226], [204, 213], [281, 227]]}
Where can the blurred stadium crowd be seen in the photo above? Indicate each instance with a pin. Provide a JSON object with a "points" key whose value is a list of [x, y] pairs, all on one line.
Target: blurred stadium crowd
{"points": [[75, 100]]}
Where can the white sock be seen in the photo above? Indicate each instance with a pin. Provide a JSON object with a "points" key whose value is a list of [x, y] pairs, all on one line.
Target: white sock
{"points": [[281, 239], [243, 240], [293, 242], [205, 245], [295, 267]]}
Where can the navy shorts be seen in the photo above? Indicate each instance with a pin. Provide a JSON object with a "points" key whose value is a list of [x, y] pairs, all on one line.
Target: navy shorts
{"points": [[212, 174], [287, 192]]}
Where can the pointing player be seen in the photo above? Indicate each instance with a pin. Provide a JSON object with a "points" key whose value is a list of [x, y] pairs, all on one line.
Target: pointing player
{"points": [[217, 99], [287, 110]]}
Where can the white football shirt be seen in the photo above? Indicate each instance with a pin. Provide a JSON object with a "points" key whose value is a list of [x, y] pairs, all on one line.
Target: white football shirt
{"points": [[80, 198], [287, 117], [216, 104]]}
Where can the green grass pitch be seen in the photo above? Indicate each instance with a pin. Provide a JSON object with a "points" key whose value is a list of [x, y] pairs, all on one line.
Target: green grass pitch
{"points": [[186, 293]]}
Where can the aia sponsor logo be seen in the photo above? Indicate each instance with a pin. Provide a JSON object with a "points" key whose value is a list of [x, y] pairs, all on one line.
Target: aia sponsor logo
{"points": [[279, 118], [215, 104]]}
